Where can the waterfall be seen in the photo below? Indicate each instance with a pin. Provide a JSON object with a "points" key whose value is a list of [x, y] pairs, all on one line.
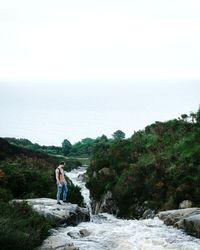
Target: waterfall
{"points": [[105, 232], [77, 177]]}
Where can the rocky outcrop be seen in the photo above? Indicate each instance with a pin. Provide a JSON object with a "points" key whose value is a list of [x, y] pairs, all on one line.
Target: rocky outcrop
{"points": [[76, 235], [60, 239], [68, 213], [106, 205], [105, 171], [52, 245], [82, 177], [185, 204], [187, 219], [148, 214]]}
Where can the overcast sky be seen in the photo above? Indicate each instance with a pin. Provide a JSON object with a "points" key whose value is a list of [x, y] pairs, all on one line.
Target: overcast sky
{"points": [[84, 68]]}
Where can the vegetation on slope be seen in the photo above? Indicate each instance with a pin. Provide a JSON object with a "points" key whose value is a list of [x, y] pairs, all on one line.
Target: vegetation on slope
{"points": [[21, 228], [27, 174], [80, 149], [156, 168]]}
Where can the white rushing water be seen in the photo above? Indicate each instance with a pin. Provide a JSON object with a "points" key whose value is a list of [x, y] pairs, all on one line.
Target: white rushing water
{"points": [[110, 233]]}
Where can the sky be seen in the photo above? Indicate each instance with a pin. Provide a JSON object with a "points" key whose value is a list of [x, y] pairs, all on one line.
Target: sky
{"points": [[77, 69]]}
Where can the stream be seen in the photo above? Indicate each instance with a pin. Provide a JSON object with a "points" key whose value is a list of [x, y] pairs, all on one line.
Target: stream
{"points": [[109, 233]]}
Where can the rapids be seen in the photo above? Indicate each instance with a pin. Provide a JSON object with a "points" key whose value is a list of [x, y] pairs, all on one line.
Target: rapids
{"points": [[109, 233]]}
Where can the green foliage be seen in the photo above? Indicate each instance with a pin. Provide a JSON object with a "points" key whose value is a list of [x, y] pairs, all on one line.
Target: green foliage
{"points": [[66, 147], [159, 166], [21, 228], [118, 135], [27, 174], [26, 180], [24, 143], [83, 148]]}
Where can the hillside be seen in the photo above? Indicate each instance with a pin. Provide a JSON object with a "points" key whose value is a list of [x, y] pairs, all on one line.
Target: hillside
{"points": [[156, 168], [27, 174]]}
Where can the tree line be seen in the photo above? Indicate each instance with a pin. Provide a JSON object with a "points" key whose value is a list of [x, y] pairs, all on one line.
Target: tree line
{"points": [[82, 148]]}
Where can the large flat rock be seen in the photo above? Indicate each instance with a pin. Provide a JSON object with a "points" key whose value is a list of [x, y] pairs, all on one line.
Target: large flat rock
{"points": [[68, 213], [187, 219]]}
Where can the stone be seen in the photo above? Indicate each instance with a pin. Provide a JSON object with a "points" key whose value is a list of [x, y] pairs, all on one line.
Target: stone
{"points": [[108, 204], [185, 204], [68, 213], [105, 171], [191, 224], [81, 177], [84, 232], [74, 235], [63, 247], [187, 219], [94, 174], [176, 213], [148, 214], [68, 247]]}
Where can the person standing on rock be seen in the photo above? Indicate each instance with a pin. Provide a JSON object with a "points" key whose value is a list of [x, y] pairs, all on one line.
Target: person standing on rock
{"points": [[61, 182]]}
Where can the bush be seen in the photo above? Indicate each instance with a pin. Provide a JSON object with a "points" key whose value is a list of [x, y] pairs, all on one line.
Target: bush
{"points": [[159, 166], [21, 227], [25, 179]]}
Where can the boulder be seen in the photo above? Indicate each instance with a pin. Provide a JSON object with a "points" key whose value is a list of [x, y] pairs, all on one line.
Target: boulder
{"points": [[81, 177], [105, 171], [185, 204], [94, 174], [81, 233], [68, 213], [187, 219], [84, 232], [190, 224], [67, 246], [73, 235], [108, 204], [148, 214], [105, 205]]}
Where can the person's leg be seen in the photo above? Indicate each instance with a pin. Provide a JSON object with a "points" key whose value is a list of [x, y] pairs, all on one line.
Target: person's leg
{"points": [[65, 190], [59, 190]]}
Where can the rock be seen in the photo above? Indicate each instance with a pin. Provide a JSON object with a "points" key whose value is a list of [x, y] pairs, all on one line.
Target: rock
{"points": [[105, 171], [148, 214], [62, 247], [84, 232], [95, 206], [81, 233], [191, 225], [187, 219], [74, 235], [67, 247], [94, 174], [68, 213], [81, 177], [185, 204], [108, 204], [170, 217]]}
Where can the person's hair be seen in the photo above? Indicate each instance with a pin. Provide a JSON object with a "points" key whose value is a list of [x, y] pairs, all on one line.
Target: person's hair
{"points": [[62, 163]]}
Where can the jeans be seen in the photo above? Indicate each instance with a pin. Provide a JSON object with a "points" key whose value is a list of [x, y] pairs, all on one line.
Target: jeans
{"points": [[61, 186]]}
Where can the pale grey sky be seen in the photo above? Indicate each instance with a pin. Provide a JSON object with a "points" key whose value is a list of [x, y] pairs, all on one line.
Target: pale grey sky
{"points": [[75, 69], [107, 39]]}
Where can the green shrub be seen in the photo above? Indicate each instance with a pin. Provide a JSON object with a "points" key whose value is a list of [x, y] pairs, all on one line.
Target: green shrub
{"points": [[159, 166], [21, 228]]}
